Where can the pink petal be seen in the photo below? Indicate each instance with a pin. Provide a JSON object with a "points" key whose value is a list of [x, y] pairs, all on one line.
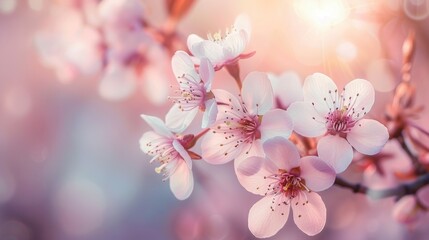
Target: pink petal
{"points": [[193, 39], [317, 174], [257, 93], [287, 88], [251, 172], [423, 196], [405, 210], [182, 182], [250, 149], [322, 91], [178, 120], [210, 113], [157, 125], [242, 22], [268, 216], [206, 73], [215, 151], [309, 212], [225, 98], [182, 64], [276, 122], [183, 153], [282, 153], [359, 95], [336, 151], [306, 120], [368, 136]]}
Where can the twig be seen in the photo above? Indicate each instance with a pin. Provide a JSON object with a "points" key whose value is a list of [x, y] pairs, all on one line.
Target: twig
{"points": [[399, 191]]}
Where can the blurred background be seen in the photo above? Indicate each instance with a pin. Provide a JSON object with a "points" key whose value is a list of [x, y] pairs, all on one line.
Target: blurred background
{"points": [[70, 163]]}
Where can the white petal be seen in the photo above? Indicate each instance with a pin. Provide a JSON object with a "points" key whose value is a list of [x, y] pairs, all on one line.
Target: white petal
{"points": [[183, 153], [336, 151], [257, 93], [287, 88], [322, 91], [276, 122], [282, 153], [146, 139], [178, 120], [251, 172], [309, 213], [215, 151], [306, 120], [157, 125], [210, 113], [368, 136], [182, 182], [359, 96], [242, 22], [206, 73], [267, 218], [193, 39], [208, 49], [182, 64], [226, 98], [234, 44], [318, 174]]}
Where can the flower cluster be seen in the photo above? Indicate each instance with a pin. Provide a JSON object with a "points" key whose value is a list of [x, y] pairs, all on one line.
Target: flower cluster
{"points": [[260, 129]]}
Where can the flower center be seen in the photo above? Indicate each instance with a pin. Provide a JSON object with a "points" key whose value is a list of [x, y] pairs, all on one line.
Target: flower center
{"points": [[288, 183], [191, 93], [249, 127], [217, 37], [339, 122]]}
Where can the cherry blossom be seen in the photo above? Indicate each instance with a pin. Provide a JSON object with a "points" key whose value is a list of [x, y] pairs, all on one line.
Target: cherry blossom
{"points": [[223, 50], [285, 180], [411, 208], [242, 124], [171, 150], [287, 89], [338, 118], [194, 93]]}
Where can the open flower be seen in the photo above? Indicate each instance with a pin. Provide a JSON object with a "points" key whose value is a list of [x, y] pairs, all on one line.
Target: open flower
{"points": [[338, 117], [171, 150], [223, 50], [194, 90], [242, 124], [285, 181]]}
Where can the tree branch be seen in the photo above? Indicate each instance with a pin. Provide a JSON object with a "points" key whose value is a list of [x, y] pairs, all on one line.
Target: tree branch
{"points": [[399, 191]]}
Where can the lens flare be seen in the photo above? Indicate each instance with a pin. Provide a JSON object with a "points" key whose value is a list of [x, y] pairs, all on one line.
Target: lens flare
{"points": [[322, 13]]}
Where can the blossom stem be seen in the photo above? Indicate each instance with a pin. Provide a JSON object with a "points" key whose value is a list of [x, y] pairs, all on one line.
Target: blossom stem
{"points": [[196, 137], [398, 192], [418, 168], [234, 71]]}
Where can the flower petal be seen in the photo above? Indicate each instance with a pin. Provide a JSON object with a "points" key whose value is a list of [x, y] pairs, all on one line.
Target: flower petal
{"points": [[215, 151], [306, 120], [368, 136], [193, 39], [183, 153], [178, 120], [268, 216], [282, 153], [182, 182], [322, 91], [234, 44], [146, 139], [309, 212], [257, 93], [242, 22], [208, 49], [276, 122], [359, 95], [182, 64], [157, 125], [287, 88], [404, 210], [251, 172], [423, 196], [206, 73], [210, 113], [336, 151], [318, 175]]}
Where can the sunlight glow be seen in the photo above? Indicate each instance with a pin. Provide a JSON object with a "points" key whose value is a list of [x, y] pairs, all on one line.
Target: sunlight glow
{"points": [[322, 13]]}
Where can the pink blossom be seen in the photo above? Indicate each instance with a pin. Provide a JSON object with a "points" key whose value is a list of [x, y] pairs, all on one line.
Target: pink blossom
{"points": [[223, 50], [338, 118], [171, 151], [287, 89], [195, 93], [242, 124], [407, 210], [285, 181]]}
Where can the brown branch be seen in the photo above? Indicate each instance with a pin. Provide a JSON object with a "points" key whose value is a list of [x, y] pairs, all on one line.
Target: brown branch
{"points": [[398, 192]]}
